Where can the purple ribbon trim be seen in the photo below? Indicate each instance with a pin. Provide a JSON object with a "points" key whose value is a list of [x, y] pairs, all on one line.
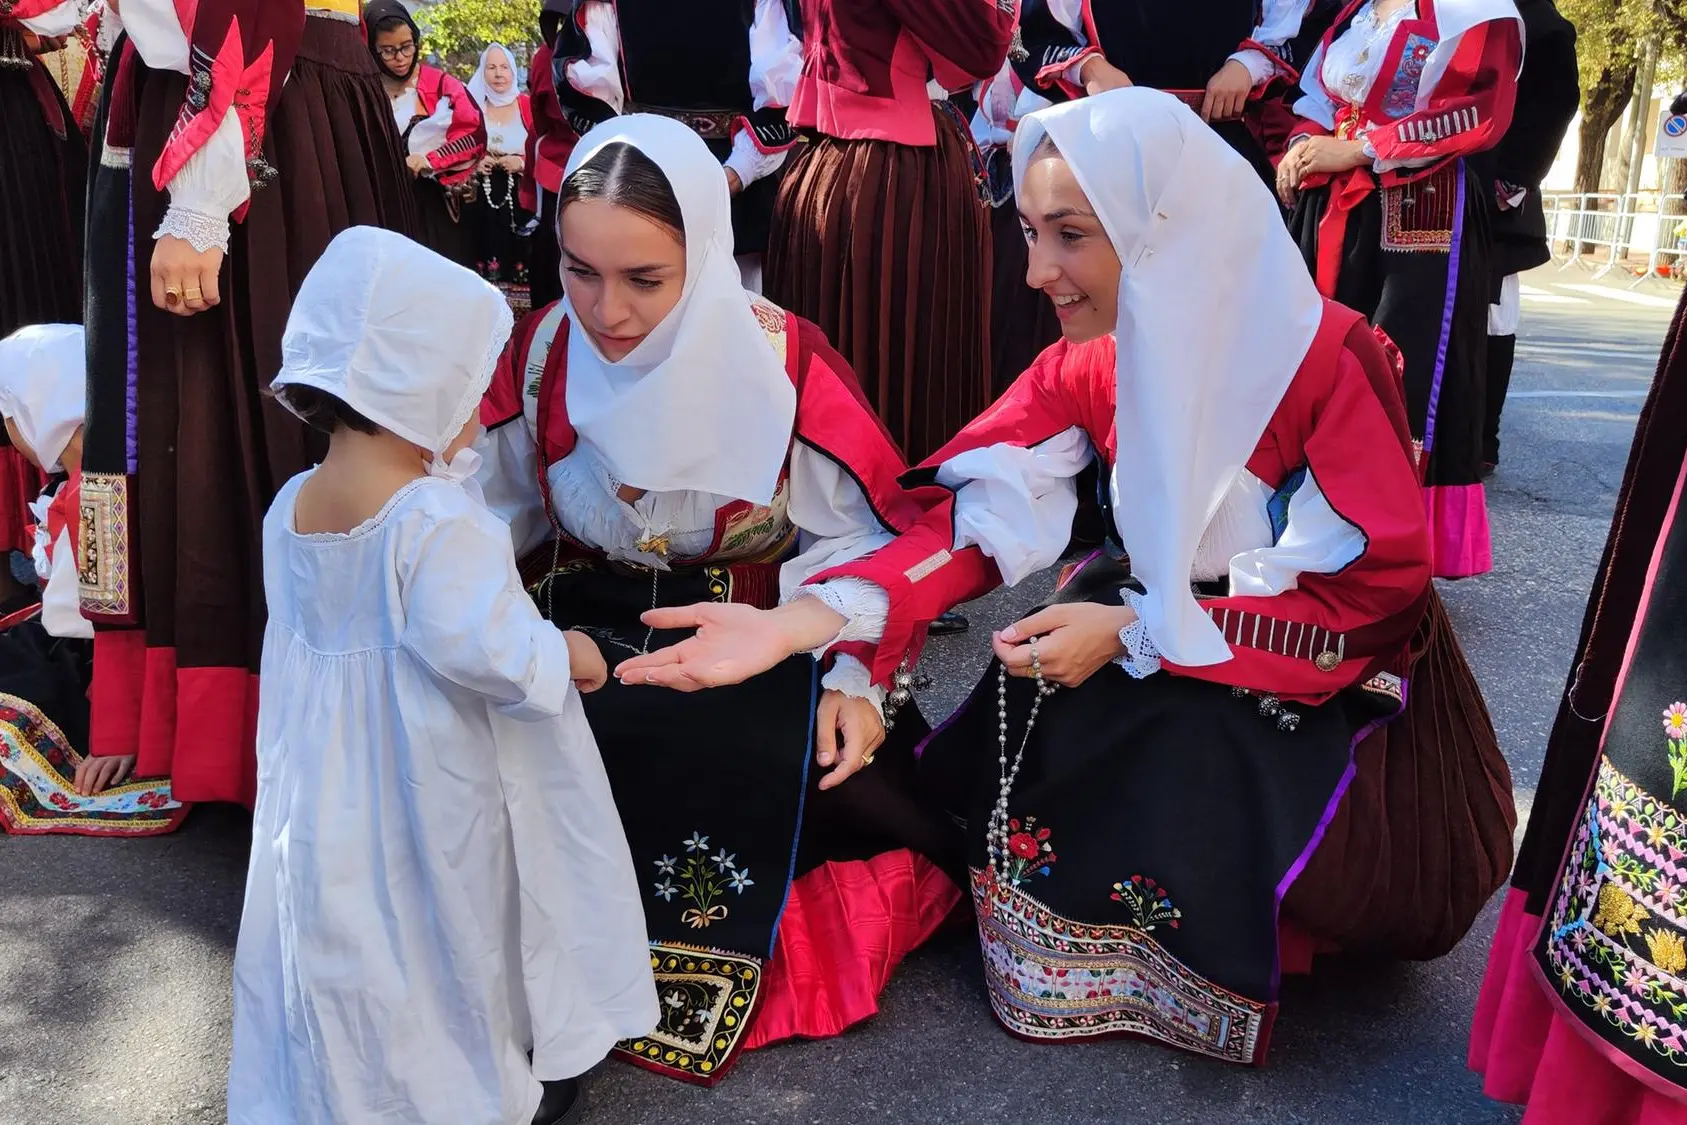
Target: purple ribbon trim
{"points": [[1330, 810], [1446, 313], [131, 394]]}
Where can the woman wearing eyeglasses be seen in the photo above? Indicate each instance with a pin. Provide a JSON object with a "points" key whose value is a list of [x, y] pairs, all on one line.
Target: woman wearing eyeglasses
{"points": [[442, 128]]}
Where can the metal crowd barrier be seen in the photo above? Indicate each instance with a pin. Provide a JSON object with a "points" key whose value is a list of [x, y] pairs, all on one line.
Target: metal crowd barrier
{"points": [[1602, 230]]}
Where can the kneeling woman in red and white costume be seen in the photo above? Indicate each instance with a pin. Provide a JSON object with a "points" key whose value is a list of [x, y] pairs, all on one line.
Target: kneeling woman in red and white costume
{"points": [[661, 437], [1153, 759], [46, 647]]}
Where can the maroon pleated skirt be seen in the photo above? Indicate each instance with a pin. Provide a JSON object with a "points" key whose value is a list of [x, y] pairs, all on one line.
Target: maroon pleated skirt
{"points": [[1424, 836], [887, 248], [210, 448]]}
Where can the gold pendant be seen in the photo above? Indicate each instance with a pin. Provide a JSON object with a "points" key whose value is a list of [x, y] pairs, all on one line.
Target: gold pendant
{"points": [[653, 545]]}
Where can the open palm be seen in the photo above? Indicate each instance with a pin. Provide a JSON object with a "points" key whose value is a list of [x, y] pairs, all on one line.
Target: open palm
{"points": [[732, 643]]}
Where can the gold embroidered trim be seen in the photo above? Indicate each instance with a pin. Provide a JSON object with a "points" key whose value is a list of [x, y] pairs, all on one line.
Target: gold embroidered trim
{"points": [[102, 554]]}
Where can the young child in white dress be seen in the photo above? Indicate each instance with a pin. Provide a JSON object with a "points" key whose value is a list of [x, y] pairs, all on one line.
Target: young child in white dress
{"points": [[442, 924]]}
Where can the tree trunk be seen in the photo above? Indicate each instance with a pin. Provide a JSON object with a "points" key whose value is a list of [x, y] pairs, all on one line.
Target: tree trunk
{"points": [[1642, 112], [1601, 108]]}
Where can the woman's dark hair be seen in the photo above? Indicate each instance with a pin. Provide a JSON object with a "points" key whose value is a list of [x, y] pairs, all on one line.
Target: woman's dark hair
{"points": [[322, 411], [393, 23], [620, 174]]}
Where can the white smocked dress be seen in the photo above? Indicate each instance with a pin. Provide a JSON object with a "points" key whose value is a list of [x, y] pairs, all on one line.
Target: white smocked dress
{"points": [[439, 881]]}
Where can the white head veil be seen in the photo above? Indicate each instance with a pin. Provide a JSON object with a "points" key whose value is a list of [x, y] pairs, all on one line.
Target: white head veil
{"points": [[1216, 313], [43, 387], [703, 403], [485, 95], [396, 332]]}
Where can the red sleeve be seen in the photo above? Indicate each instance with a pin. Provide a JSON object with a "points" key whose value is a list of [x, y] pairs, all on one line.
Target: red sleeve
{"points": [[1470, 108], [1335, 630], [465, 141], [920, 570], [969, 36], [241, 53]]}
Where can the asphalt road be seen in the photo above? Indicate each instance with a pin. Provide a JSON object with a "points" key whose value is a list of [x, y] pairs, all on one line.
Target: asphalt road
{"points": [[115, 955]]}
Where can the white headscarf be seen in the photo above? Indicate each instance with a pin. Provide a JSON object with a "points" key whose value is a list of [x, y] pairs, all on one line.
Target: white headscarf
{"points": [[43, 387], [485, 95], [703, 403], [401, 335], [1216, 313]]}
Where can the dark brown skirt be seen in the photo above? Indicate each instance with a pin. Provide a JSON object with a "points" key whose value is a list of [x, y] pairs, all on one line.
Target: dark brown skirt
{"points": [[1022, 320], [886, 247], [210, 449], [1423, 838]]}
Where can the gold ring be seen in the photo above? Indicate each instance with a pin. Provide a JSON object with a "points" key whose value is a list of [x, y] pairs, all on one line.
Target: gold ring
{"points": [[194, 293], [867, 758], [172, 297]]}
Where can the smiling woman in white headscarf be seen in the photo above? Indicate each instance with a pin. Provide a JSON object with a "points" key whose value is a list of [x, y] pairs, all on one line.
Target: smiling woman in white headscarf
{"points": [[1153, 759], [661, 437], [46, 648], [442, 923]]}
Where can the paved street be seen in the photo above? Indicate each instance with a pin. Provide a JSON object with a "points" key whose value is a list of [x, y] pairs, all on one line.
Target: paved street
{"points": [[115, 956]]}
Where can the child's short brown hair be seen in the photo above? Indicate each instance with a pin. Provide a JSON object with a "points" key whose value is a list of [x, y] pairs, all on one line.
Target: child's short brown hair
{"points": [[323, 412]]}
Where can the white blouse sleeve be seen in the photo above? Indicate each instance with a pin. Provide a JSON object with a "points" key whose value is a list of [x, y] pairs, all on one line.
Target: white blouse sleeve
{"points": [[750, 162], [509, 479], [1314, 103], [837, 525], [1315, 540], [157, 33], [56, 22], [599, 74], [55, 565], [1142, 655], [775, 56], [467, 618], [211, 186], [1016, 504]]}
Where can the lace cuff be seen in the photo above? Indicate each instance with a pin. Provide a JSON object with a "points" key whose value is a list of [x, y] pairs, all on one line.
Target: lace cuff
{"points": [[1142, 656], [851, 677], [750, 162], [864, 605], [198, 230]]}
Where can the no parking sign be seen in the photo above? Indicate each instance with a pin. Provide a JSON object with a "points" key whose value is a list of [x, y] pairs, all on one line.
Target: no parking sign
{"points": [[1672, 136]]}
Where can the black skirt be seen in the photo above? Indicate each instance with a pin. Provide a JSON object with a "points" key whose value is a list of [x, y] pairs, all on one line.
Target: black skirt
{"points": [[720, 804], [503, 243], [43, 170], [1153, 828]]}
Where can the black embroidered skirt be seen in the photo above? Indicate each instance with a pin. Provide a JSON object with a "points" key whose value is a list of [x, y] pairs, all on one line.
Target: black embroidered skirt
{"points": [[1153, 829]]}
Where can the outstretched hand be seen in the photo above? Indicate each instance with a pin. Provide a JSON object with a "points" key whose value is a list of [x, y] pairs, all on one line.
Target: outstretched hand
{"points": [[732, 643]]}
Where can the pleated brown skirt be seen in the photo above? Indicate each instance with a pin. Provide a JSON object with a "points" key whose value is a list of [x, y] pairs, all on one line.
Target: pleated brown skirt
{"points": [[1022, 320], [1424, 835], [209, 449], [887, 248]]}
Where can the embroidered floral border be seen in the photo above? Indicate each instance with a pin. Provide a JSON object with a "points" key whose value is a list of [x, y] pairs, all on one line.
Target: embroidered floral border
{"points": [[37, 764], [1616, 938], [1051, 978], [706, 998]]}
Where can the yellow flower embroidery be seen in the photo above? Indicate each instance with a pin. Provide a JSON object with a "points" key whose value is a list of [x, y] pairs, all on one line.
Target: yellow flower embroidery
{"points": [[1602, 1004], [1669, 951], [1618, 914], [1644, 1033]]}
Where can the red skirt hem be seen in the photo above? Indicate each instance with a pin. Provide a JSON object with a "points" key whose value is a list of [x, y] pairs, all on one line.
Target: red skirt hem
{"points": [[138, 697], [1531, 1053], [1459, 535], [845, 928]]}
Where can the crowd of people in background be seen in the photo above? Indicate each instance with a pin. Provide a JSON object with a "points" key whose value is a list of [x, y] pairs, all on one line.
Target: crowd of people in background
{"points": [[793, 325]]}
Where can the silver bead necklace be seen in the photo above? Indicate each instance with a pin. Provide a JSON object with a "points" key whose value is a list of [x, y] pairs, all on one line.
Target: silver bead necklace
{"points": [[996, 833]]}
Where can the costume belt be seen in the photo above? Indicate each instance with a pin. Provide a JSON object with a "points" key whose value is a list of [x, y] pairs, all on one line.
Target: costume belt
{"points": [[710, 124]]}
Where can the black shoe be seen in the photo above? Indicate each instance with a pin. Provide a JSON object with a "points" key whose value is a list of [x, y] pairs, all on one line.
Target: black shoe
{"points": [[562, 1104], [1487, 470], [949, 624]]}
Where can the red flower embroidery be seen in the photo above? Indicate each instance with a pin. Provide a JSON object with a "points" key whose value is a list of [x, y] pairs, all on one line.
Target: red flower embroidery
{"points": [[1023, 845]]}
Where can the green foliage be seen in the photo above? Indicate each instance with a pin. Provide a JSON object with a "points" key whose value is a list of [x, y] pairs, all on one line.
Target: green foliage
{"points": [[1609, 33], [458, 30]]}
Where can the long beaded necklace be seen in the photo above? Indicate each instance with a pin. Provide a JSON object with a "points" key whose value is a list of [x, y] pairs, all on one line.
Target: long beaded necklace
{"points": [[996, 833], [508, 202]]}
